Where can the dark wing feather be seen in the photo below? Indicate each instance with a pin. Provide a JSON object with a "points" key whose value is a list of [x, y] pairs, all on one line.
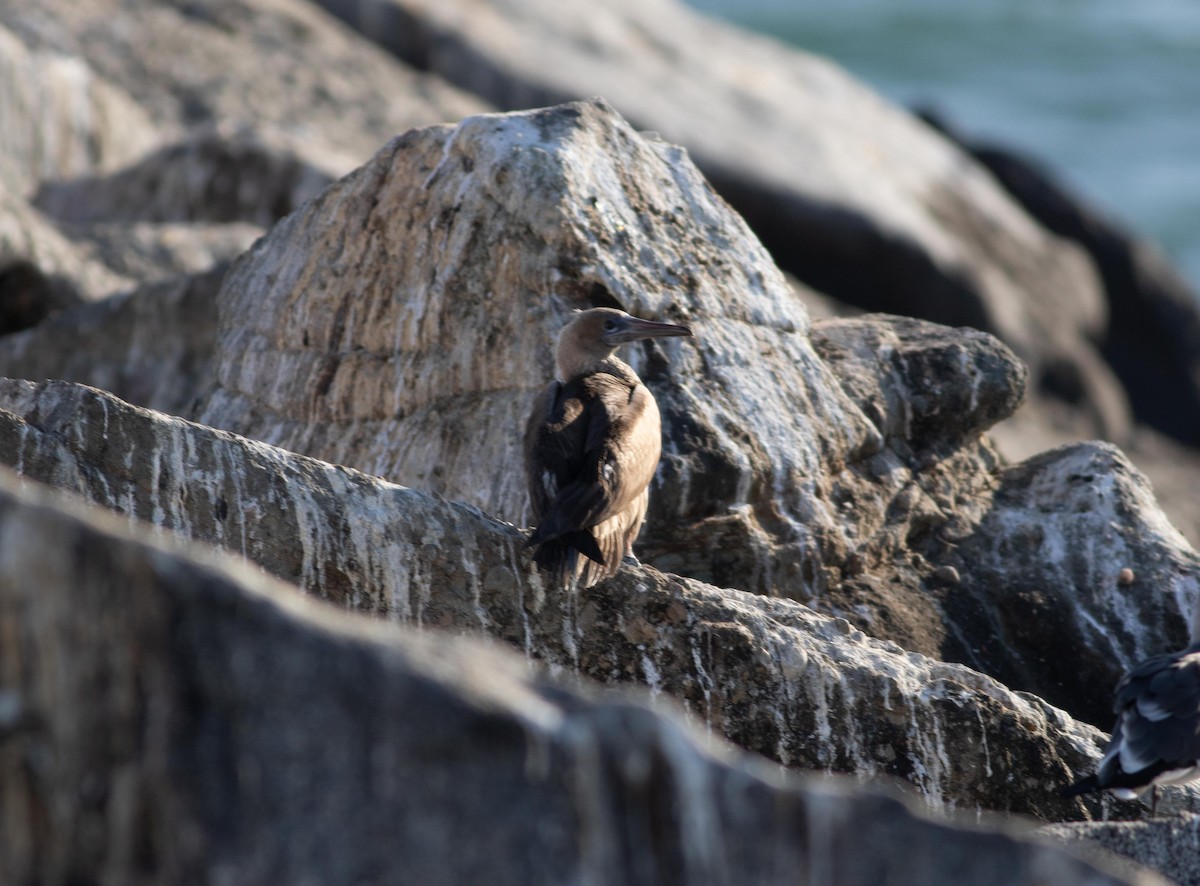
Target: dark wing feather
{"points": [[1158, 723], [579, 447]]}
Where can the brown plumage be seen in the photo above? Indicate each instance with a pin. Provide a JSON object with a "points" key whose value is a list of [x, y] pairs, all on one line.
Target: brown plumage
{"points": [[591, 448]]}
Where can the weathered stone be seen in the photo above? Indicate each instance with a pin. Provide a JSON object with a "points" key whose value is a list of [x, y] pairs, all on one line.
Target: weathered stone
{"points": [[1042, 593], [281, 64], [159, 253], [173, 718], [1169, 845], [41, 271], [919, 383], [851, 194], [152, 347], [448, 264], [845, 483], [59, 118], [772, 675], [214, 176]]}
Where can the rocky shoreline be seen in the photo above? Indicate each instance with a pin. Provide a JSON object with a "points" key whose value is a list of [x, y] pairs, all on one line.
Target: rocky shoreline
{"points": [[297, 290]]}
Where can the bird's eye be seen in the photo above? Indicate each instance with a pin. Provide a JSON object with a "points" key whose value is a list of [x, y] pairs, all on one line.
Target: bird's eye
{"points": [[610, 325]]}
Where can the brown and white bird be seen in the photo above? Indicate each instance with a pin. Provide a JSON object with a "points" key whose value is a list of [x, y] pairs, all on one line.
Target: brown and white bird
{"points": [[1156, 739], [592, 444]]}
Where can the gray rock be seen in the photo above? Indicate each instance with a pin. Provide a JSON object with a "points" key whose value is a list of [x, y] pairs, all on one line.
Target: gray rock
{"points": [[844, 482], [773, 676], [152, 346], [852, 195], [172, 717], [213, 176], [278, 64], [59, 118], [42, 271], [161, 253], [445, 296], [922, 384], [1042, 578], [1170, 846]]}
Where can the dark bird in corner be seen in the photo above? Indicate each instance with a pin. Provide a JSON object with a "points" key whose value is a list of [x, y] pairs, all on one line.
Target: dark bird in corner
{"points": [[591, 448], [1156, 739]]}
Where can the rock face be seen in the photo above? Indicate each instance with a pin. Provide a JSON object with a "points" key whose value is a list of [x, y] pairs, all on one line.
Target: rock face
{"points": [[343, 536], [192, 697], [853, 196], [152, 346], [844, 476], [1168, 845], [59, 119], [445, 311], [772, 675], [892, 589], [1152, 339], [271, 64]]}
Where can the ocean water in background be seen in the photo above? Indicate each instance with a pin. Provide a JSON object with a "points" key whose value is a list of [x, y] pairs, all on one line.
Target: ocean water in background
{"points": [[1106, 93]]}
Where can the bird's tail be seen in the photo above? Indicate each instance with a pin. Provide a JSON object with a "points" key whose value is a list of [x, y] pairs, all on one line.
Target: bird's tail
{"points": [[1087, 785], [560, 556]]}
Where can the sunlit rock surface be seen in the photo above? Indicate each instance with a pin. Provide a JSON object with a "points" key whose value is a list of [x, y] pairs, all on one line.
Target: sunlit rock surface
{"points": [[58, 118], [1170, 845], [279, 64], [178, 720], [772, 675], [855, 196], [402, 323]]}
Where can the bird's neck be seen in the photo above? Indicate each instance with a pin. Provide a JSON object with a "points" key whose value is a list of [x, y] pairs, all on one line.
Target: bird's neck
{"points": [[569, 369]]}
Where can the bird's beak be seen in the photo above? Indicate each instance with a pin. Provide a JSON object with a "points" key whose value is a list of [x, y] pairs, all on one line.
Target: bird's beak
{"points": [[636, 330]]}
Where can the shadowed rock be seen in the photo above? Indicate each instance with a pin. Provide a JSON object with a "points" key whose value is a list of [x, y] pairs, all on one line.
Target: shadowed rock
{"points": [[772, 675], [151, 347], [1152, 339], [171, 717], [1043, 571], [41, 271], [214, 176]]}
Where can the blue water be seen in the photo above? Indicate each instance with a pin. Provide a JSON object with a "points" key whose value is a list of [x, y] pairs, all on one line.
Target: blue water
{"points": [[1105, 92]]}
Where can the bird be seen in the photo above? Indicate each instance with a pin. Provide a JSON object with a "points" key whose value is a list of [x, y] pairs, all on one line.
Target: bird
{"points": [[1156, 739], [592, 444]]}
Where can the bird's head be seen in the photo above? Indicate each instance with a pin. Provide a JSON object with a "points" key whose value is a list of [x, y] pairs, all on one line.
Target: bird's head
{"points": [[593, 336]]}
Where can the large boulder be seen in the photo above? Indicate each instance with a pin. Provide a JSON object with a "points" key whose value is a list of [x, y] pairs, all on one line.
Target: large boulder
{"points": [[772, 675], [841, 470], [277, 64], [168, 717], [851, 194], [58, 118]]}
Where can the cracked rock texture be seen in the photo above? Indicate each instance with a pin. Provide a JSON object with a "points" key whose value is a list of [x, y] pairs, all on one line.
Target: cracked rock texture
{"points": [[857, 579], [201, 724], [843, 469]]}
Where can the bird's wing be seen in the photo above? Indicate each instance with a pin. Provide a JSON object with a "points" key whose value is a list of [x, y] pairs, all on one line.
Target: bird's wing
{"points": [[1158, 708], [550, 438], [599, 456]]}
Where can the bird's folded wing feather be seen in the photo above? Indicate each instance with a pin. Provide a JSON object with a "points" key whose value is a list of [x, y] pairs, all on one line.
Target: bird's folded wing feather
{"points": [[597, 453], [1159, 709]]}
